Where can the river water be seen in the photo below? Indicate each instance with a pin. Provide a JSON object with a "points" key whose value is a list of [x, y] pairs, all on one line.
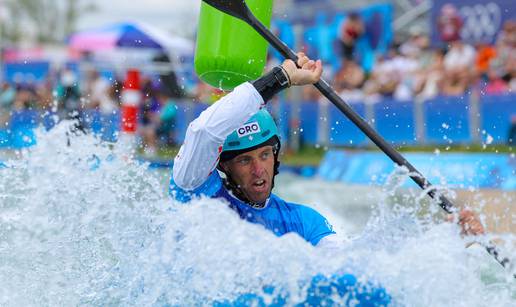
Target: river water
{"points": [[85, 224]]}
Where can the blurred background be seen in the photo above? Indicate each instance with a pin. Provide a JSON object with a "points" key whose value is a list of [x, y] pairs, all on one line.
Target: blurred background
{"points": [[81, 223], [427, 74]]}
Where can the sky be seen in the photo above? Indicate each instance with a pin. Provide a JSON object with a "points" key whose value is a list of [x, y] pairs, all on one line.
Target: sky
{"points": [[176, 16]]}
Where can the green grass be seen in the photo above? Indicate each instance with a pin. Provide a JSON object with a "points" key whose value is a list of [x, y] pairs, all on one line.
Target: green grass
{"points": [[311, 155], [308, 155]]}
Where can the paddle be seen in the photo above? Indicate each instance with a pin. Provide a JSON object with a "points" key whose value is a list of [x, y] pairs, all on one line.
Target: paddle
{"points": [[240, 10]]}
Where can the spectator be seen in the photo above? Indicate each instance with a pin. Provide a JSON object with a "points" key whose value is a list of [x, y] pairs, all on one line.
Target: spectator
{"points": [[495, 83], [167, 120], [427, 62], [68, 91], [459, 62], [507, 37], [70, 98], [508, 47], [512, 132], [7, 95], [101, 94], [349, 80], [45, 97], [431, 81], [416, 44], [149, 119], [168, 80], [388, 73], [25, 98], [449, 23], [505, 50], [352, 28], [406, 66], [485, 53], [510, 77], [379, 82], [104, 97], [460, 56]]}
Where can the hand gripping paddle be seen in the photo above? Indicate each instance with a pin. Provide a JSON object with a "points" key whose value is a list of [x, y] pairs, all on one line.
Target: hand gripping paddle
{"points": [[240, 10]]}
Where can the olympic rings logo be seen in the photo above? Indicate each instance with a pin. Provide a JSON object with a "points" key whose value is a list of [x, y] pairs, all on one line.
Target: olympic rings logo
{"points": [[481, 21]]}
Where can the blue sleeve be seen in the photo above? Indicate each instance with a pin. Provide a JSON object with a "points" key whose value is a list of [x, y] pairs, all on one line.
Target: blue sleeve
{"points": [[209, 188], [315, 226]]}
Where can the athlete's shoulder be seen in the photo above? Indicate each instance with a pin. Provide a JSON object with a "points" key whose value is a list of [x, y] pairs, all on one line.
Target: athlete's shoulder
{"points": [[315, 225], [209, 188], [302, 210]]}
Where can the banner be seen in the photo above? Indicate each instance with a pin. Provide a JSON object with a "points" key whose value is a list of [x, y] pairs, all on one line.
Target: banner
{"points": [[475, 21], [321, 31], [454, 170]]}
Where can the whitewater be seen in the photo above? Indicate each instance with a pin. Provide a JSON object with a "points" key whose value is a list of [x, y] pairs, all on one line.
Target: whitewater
{"points": [[83, 222]]}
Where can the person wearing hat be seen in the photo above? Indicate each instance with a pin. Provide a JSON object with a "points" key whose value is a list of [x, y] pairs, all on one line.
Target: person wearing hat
{"points": [[231, 152]]}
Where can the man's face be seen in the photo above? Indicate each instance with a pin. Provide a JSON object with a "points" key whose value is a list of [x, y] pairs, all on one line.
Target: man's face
{"points": [[253, 172]]}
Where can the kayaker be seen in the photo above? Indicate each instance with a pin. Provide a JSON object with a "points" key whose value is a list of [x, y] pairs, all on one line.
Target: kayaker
{"points": [[231, 151]]}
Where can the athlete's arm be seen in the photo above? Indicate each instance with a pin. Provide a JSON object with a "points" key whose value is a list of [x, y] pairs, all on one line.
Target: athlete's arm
{"points": [[199, 153], [198, 156]]}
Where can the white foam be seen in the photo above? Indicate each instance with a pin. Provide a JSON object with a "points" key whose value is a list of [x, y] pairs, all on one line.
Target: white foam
{"points": [[86, 224]]}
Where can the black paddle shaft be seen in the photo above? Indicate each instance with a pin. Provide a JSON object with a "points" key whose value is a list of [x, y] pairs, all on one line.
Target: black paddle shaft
{"points": [[239, 9], [330, 94]]}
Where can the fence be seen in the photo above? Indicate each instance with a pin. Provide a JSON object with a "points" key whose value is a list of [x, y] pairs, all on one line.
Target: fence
{"points": [[440, 121]]}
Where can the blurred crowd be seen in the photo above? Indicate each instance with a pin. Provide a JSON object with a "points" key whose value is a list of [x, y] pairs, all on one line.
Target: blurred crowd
{"points": [[65, 94], [414, 70], [411, 70]]}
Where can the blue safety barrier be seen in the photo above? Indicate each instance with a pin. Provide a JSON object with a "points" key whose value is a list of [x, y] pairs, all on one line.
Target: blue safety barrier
{"points": [[395, 120], [496, 112], [342, 131], [22, 126], [308, 123], [446, 121], [282, 117], [458, 170], [26, 72], [333, 165], [105, 126], [182, 120], [5, 138]]}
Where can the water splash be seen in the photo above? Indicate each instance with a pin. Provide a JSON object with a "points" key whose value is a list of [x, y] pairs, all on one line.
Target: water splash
{"points": [[404, 243], [85, 224]]}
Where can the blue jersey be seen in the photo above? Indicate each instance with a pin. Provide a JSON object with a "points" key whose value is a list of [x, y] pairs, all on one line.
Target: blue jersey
{"points": [[278, 216], [195, 173]]}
